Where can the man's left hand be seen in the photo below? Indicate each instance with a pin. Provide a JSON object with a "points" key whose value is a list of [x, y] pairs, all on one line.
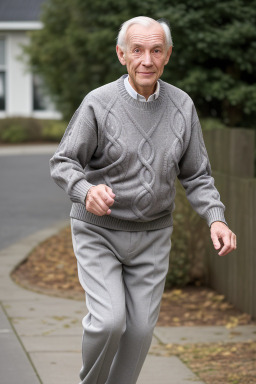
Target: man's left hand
{"points": [[223, 238]]}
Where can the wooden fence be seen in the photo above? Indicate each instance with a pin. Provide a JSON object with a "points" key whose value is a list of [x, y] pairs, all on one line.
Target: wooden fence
{"points": [[231, 152]]}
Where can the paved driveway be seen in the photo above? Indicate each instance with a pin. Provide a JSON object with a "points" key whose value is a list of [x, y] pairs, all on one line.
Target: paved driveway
{"points": [[29, 198]]}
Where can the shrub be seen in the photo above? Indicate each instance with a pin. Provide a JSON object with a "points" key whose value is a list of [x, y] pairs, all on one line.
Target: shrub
{"points": [[211, 123], [189, 240], [14, 134], [53, 130], [23, 129]]}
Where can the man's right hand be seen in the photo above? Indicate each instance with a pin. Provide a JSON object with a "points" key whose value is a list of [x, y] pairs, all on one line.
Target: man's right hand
{"points": [[99, 199]]}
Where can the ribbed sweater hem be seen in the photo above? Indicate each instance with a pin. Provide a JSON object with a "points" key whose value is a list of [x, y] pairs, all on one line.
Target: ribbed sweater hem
{"points": [[79, 212]]}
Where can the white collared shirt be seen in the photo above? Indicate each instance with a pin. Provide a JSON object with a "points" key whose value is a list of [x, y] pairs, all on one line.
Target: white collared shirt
{"points": [[136, 95]]}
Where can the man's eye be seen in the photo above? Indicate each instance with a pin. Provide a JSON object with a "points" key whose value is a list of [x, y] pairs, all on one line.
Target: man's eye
{"points": [[136, 50]]}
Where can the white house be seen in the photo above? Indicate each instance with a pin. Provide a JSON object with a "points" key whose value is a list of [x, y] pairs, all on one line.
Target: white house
{"points": [[20, 91]]}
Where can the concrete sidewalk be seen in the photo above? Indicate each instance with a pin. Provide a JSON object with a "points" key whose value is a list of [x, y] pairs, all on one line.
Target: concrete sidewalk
{"points": [[27, 149], [40, 335]]}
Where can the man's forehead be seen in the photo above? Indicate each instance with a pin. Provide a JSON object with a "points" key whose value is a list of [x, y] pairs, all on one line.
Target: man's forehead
{"points": [[139, 34]]}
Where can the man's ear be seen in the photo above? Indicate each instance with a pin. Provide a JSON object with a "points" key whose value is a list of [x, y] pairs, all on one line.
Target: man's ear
{"points": [[120, 55], [169, 52]]}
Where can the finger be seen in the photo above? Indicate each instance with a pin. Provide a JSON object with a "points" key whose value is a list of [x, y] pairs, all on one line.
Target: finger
{"points": [[100, 197], [101, 202], [94, 208], [226, 246], [100, 205], [110, 203], [106, 199], [110, 192], [96, 205], [216, 242], [98, 201], [233, 241], [98, 211]]}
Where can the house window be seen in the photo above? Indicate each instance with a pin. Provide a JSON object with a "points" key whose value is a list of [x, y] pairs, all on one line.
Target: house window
{"points": [[41, 101], [2, 74]]}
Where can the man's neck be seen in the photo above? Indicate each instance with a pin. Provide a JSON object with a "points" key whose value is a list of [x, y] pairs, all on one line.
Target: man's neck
{"points": [[145, 92], [134, 93]]}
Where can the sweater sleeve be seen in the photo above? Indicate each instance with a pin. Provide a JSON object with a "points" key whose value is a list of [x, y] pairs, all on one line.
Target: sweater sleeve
{"points": [[74, 152], [195, 176]]}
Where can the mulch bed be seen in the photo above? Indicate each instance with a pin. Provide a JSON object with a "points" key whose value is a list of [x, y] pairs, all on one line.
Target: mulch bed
{"points": [[216, 363], [51, 269]]}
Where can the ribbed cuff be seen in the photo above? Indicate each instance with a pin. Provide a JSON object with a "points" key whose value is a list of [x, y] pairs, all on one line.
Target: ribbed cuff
{"points": [[215, 214], [80, 190]]}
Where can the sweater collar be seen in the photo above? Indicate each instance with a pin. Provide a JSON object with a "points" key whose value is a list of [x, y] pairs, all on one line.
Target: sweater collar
{"points": [[136, 95], [150, 105]]}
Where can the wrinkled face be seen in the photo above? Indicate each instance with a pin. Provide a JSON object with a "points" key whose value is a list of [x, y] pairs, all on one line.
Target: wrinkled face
{"points": [[145, 56]]}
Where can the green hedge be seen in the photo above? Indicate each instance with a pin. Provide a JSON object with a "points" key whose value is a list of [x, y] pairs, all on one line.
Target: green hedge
{"points": [[190, 236], [27, 130], [211, 123], [189, 242]]}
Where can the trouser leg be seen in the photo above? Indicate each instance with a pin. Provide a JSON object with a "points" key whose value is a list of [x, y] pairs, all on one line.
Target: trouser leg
{"points": [[100, 274], [144, 273], [123, 274]]}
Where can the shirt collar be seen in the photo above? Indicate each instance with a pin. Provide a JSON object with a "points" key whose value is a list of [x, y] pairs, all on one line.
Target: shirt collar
{"points": [[136, 95]]}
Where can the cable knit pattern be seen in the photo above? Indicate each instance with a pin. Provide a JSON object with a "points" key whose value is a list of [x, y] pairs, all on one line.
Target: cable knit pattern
{"points": [[116, 149], [172, 156], [146, 155], [137, 149]]}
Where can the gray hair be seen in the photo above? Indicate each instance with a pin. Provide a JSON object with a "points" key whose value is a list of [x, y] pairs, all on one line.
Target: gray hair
{"points": [[146, 22]]}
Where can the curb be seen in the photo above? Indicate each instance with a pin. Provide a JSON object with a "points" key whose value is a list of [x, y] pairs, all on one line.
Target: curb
{"points": [[33, 149]]}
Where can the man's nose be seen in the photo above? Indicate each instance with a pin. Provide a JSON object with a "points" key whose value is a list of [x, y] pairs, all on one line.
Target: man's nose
{"points": [[147, 60]]}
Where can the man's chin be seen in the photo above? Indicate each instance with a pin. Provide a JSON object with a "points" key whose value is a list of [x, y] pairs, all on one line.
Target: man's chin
{"points": [[147, 84], [147, 77], [146, 80]]}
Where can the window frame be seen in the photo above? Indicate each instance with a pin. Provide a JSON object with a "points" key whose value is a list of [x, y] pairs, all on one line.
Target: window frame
{"points": [[37, 89], [3, 69]]}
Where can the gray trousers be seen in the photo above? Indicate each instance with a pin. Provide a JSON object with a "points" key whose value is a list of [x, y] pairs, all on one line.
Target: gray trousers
{"points": [[123, 275]]}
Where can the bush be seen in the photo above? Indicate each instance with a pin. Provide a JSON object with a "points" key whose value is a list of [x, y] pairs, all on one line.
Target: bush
{"points": [[189, 240], [14, 134], [28, 130], [53, 130], [211, 123]]}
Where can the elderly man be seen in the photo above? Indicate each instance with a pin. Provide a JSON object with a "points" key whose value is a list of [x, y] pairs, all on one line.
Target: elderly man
{"points": [[118, 161]]}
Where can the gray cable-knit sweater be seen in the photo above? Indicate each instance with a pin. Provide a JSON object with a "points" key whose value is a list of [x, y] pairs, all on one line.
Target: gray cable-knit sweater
{"points": [[137, 149]]}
